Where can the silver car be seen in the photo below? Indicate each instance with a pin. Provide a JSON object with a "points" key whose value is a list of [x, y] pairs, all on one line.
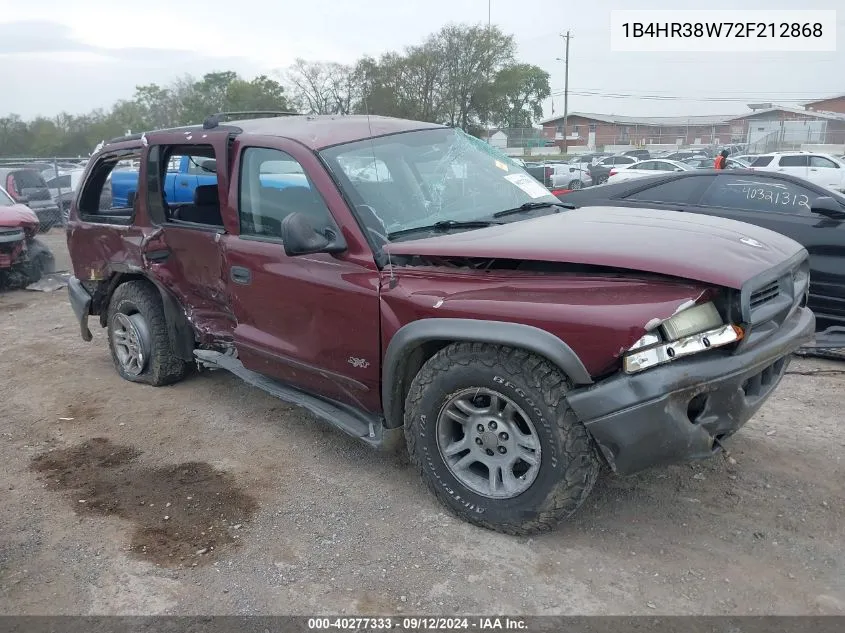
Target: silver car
{"points": [[567, 176]]}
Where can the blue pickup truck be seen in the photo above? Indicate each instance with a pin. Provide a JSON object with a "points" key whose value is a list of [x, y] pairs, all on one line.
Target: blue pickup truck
{"points": [[186, 173]]}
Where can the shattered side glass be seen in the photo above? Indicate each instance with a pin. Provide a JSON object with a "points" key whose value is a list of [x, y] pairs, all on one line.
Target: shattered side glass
{"points": [[418, 178]]}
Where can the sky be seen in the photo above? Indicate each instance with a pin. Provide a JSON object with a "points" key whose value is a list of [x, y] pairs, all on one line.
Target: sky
{"points": [[59, 56]]}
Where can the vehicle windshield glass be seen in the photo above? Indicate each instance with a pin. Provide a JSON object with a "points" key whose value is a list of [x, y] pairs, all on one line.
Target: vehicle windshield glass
{"points": [[415, 179]]}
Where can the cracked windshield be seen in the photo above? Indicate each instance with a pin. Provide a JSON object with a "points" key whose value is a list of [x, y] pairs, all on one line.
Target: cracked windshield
{"points": [[416, 179]]}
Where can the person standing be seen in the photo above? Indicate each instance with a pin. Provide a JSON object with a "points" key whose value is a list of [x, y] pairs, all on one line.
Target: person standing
{"points": [[721, 160]]}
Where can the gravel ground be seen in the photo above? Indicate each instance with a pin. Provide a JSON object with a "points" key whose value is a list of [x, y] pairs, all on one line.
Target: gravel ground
{"points": [[211, 497]]}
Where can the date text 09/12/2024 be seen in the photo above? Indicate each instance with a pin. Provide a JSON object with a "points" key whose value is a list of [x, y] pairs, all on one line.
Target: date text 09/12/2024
{"points": [[409, 623]]}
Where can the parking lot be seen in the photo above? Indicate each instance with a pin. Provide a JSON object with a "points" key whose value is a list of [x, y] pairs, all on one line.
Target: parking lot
{"points": [[211, 497]]}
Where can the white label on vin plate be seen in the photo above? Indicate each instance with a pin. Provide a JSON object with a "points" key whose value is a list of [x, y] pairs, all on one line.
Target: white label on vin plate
{"points": [[528, 185]]}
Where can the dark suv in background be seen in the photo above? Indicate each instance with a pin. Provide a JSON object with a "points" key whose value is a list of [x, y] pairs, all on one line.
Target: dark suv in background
{"points": [[27, 186]]}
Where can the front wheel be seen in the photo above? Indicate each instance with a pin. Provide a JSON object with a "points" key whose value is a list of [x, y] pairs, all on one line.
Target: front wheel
{"points": [[576, 184], [601, 180], [490, 430]]}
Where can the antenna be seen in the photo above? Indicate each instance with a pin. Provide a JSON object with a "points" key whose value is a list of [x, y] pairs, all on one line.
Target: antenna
{"points": [[375, 168]]}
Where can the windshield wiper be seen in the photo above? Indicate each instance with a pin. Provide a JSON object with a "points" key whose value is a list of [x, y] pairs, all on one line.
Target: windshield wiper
{"points": [[444, 225], [530, 206]]}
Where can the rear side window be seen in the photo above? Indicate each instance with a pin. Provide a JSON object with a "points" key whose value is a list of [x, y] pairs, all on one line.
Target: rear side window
{"points": [[793, 161], [762, 161], [96, 201], [679, 191], [28, 179], [766, 195]]}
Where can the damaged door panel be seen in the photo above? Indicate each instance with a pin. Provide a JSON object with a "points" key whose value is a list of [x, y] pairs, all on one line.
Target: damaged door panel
{"points": [[311, 321], [183, 252]]}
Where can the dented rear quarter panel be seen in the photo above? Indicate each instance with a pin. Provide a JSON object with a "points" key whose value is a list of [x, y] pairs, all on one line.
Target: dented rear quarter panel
{"points": [[598, 316]]}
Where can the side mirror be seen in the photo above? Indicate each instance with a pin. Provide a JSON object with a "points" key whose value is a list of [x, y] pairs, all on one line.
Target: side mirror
{"points": [[301, 238], [828, 207], [209, 165]]}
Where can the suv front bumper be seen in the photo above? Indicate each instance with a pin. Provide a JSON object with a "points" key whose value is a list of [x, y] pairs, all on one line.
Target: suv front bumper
{"points": [[682, 410]]}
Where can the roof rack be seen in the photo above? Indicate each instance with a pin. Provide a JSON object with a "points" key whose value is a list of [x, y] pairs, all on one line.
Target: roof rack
{"points": [[212, 121]]}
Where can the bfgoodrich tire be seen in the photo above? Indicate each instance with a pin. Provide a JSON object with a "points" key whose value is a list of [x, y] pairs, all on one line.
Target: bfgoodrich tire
{"points": [[138, 340], [491, 432]]}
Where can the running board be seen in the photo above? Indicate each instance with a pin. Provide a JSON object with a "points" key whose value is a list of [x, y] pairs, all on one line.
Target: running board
{"points": [[352, 422], [831, 338]]}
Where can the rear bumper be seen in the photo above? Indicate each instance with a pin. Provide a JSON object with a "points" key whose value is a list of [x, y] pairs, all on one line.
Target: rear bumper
{"points": [[682, 410], [80, 302]]}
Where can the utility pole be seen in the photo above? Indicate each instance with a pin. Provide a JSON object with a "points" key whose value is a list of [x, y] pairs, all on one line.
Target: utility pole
{"points": [[489, 13], [566, 94]]}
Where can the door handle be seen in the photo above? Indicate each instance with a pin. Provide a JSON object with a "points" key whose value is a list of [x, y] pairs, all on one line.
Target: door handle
{"points": [[240, 275]]}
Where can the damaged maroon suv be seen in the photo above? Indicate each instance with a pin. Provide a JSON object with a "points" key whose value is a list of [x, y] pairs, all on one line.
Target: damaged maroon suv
{"points": [[399, 278]]}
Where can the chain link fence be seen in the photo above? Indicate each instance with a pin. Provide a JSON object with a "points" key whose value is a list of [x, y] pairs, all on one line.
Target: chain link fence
{"points": [[46, 185], [527, 142]]}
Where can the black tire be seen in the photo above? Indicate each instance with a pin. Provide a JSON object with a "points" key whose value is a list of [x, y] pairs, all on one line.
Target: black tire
{"points": [[162, 365], [601, 180], [569, 464], [39, 261], [575, 185]]}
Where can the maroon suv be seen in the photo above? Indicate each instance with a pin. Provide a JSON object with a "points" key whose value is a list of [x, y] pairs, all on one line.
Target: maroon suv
{"points": [[397, 277]]}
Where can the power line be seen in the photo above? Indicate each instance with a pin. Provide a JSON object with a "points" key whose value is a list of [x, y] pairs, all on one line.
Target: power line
{"points": [[701, 99]]}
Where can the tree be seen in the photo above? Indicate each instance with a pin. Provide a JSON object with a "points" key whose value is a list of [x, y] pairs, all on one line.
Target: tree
{"points": [[473, 54], [311, 86], [515, 97]]}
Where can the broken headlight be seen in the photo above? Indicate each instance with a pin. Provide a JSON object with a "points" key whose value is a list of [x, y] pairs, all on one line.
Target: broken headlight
{"points": [[691, 331]]}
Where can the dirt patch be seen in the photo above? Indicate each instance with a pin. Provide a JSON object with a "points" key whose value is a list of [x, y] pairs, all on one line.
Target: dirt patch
{"points": [[184, 515], [11, 307], [82, 410]]}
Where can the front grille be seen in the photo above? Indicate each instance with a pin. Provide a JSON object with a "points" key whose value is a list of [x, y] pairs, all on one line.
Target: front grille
{"points": [[765, 294]]}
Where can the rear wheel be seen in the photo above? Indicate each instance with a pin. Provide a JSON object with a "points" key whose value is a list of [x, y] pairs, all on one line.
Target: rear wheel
{"points": [[601, 180], [576, 184], [490, 430], [138, 337]]}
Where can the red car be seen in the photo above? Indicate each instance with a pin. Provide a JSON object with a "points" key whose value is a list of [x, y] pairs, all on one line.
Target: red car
{"points": [[403, 279], [23, 258]]}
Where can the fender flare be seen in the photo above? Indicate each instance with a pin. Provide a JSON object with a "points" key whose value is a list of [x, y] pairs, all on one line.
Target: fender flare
{"points": [[179, 330], [416, 333]]}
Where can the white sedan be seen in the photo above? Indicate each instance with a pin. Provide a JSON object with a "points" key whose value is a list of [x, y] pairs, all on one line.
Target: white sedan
{"points": [[646, 168]]}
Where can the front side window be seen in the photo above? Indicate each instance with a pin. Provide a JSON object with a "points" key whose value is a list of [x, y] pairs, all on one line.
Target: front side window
{"points": [[272, 186], [821, 161], [758, 194], [415, 179], [762, 161], [61, 181]]}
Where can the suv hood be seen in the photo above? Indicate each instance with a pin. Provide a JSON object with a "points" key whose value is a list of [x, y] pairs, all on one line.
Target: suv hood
{"points": [[17, 216], [697, 247]]}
